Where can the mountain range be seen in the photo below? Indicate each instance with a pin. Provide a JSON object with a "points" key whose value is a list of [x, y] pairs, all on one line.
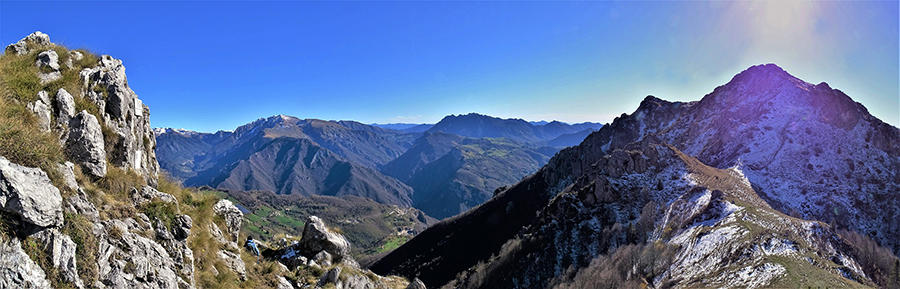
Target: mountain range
{"points": [[758, 183], [441, 173]]}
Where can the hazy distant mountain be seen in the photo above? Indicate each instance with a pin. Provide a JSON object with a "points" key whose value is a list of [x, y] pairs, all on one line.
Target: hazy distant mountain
{"points": [[287, 155], [570, 139], [449, 173], [690, 194], [177, 149], [452, 173], [479, 126]]}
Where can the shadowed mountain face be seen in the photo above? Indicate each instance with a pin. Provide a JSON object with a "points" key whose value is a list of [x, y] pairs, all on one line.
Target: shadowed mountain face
{"points": [[451, 173], [801, 149], [478, 126], [287, 155]]}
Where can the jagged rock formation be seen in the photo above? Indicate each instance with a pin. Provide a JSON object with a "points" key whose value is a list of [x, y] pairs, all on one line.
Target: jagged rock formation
{"points": [[775, 130], [16, 268], [117, 132], [29, 194]]}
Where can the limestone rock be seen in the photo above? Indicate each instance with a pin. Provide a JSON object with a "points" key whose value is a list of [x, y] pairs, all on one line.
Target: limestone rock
{"points": [[219, 237], [128, 260], [48, 59], [162, 233], [65, 105], [29, 194], [21, 47], [61, 250], [49, 77], [148, 193], [323, 258], [232, 215], [67, 170], [330, 277], [234, 262], [183, 224], [17, 270], [79, 204], [74, 55], [283, 283], [124, 114], [85, 144], [416, 284], [42, 111], [37, 37], [317, 238]]}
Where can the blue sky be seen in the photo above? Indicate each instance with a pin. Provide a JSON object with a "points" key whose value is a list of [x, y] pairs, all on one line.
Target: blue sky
{"points": [[212, 65]]}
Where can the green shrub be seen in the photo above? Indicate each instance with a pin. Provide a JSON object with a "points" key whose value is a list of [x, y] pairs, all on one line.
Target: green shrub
{"points": [[159, 210]]}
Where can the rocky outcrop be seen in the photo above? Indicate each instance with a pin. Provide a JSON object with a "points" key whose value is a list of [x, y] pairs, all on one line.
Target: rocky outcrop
{"points": [[232, 216], [21, 47], [319, 246], [16, 268], [126, 115], [28, 193], [317, 238], [85, 144], [128, 260]]}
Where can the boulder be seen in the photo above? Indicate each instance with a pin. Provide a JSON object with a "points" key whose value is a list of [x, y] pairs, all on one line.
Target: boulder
{"points": [[232, 215], [48, 59], [416, 284], [16, 268], [29, 194], [317, 238], [61, 250], [85, 144], [234, 262], [65, 105]]}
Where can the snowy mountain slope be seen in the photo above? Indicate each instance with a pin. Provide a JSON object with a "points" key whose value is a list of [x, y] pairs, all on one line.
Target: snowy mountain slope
{"points": [[809, 150], [804, 150]]}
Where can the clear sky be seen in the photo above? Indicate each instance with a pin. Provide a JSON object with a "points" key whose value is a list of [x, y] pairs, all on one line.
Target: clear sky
{"points": [[214, 65]]}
